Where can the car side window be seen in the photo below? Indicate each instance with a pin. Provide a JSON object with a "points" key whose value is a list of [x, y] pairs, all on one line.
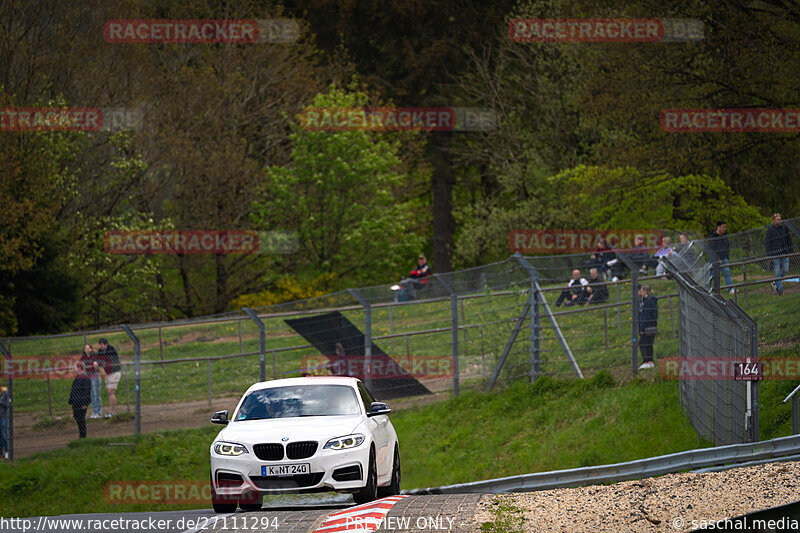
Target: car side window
{"points": [[366, 397]]}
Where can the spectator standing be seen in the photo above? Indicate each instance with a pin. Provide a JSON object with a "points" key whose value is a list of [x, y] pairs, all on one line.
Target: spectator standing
{"points": [[108, 355], [5, 408], [79, 397], [597, 289], [778, 242], [665, 251], [648, 325], [575, 293], [719, 244], [91, 363]]}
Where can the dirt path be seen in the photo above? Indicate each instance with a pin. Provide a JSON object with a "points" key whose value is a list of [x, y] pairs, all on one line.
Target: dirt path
{"points": [[159, 417]]}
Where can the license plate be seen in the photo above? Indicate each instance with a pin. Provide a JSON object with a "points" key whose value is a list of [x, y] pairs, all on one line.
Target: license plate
{"points": [[286, 470]]}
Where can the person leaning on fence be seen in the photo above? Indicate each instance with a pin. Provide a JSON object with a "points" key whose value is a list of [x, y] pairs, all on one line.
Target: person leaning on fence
{"points": [[721, 246], [92, 362], [5, 408], [778, 242], [597, 288], [648, 325], [575, 293], [79, 397], [113, 369]]}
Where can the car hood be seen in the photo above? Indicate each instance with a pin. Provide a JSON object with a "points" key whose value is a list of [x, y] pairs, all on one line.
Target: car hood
{"points": [[318, 428]]}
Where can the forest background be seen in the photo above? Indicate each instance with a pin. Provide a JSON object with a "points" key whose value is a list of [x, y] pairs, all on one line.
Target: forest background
{"points": [[578, 144]]}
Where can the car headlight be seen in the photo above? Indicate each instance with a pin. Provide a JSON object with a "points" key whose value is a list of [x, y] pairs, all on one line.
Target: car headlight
{"points": [[228, 448], [344, 443]]}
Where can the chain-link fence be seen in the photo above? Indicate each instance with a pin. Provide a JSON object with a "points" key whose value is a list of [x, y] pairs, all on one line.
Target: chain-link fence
{"points": [[714, 330], [465, 330]]}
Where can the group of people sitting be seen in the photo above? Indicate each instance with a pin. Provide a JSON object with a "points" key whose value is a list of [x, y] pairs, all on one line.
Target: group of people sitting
{"points": [[581, 291]]}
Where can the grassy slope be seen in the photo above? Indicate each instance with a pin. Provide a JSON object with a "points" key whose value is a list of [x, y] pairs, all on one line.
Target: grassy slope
{"points": [[550, 425]]}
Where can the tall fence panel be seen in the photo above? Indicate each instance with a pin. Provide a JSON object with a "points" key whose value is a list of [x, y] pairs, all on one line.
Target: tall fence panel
{"points": [[713, 330]]}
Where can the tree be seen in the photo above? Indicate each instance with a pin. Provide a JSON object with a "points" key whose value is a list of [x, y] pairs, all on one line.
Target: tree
{"points": [[345, 197], [625, 198]]}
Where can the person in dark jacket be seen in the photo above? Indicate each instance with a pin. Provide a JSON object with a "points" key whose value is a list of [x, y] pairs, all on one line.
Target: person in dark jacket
{"points": [[5, 408], [648, 324], [778, 242], [597, 289], [79, 397], [603, 253], [421, 273], [719, 244]]}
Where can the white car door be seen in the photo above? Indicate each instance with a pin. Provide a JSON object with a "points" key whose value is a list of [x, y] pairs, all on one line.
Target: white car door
{"points": [[379, 427]]}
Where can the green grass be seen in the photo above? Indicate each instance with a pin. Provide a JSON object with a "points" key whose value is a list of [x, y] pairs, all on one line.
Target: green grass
{"points": [[550, 425], [527, 428]]}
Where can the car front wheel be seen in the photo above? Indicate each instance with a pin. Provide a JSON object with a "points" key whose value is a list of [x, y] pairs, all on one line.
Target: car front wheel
{"points": [[222, 503], [393, 488], [370, 490]]}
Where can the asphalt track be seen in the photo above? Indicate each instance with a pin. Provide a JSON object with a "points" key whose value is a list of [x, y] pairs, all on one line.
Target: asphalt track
{"points": [[452, 512]]}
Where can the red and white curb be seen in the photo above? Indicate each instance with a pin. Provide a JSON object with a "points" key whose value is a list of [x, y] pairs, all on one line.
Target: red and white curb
{"points": [[366, 517]]}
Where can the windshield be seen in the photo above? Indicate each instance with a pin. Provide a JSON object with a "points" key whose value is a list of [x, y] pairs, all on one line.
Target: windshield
{"points": [[301, 400]]}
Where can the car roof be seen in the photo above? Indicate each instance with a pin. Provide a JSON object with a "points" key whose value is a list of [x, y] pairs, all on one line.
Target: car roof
{"points": [[308, 380]]}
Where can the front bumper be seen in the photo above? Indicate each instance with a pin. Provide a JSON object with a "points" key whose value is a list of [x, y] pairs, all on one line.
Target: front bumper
{"points": [[331, 470]]}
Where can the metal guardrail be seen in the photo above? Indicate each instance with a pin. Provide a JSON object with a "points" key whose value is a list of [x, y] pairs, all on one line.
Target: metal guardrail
{"points": [[653, 466]]}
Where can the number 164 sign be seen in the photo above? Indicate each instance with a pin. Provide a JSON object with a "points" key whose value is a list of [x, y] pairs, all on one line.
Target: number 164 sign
{"points": [[748, 371]]}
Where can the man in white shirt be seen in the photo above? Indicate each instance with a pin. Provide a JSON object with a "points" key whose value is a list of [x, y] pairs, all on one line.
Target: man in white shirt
{"points": [[575, 293]]}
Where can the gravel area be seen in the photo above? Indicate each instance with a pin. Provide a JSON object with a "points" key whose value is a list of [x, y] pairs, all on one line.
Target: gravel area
{"points": [[666, 503]]}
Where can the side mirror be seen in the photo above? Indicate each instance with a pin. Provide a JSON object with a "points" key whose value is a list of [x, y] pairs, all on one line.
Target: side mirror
{"points": [[378, 408], [220, 417]]}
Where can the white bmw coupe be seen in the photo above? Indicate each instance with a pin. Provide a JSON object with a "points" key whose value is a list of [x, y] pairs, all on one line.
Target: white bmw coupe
{"points": [[300, 435]]}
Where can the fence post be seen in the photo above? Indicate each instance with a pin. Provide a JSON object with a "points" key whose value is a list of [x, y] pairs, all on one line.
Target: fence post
{"points": [[619, 307], [672, 318], [6, 352], [754, 355], [241, 345], [209, 381], [605, 324], [262, 343], [715, 269], [160, 346], [367, 336], [634, 269], [536, 318], [137, 393], [50, 396], [453, 329], [634, 320], [127, 386], [795, 415]]}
